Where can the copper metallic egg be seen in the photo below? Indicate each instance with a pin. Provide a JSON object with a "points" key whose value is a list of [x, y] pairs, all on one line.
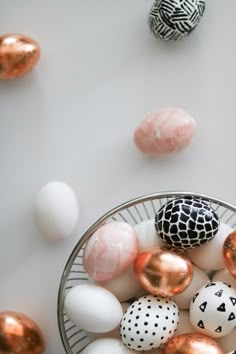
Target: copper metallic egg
{"points": [[229, 252], [164, 271], [18, 55], [192, 343], [19, 334]]}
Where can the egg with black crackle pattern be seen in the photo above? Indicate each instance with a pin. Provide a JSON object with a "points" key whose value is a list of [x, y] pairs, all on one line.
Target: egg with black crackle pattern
{"points": [[149, 323], [186, 222]]}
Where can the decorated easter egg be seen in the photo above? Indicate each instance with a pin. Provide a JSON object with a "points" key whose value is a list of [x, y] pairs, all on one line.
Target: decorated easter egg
{"points": [[172, 20], [233, 352], [18, 55], [19, 334], [192, 343], [199, 279], [56, 211], [169, 130], [229, 253], [149, 323], [210, 256], [107, 346], [93, 308], [224, 276], [110, 250], [125, 286], [147, 236], [213, 309], [228, 342], [163, 271], [186, 222]]}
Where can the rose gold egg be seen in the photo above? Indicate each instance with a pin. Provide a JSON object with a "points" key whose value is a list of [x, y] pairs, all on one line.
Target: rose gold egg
{"points": [[18, 55], [192, 343], [19, 334], [164, 271], [229, 253]]}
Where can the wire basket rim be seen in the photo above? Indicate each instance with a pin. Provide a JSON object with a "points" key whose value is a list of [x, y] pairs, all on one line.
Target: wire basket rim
{"points": [[97, 223]]}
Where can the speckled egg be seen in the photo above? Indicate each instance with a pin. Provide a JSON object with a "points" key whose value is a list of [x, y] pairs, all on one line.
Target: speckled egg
{"points": [[169, 130], [110, 250], [149, 323], [186, 222], [213, 309]]}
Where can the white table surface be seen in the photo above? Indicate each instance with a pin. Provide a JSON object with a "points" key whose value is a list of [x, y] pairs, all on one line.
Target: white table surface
{"points": [[73, 118]]}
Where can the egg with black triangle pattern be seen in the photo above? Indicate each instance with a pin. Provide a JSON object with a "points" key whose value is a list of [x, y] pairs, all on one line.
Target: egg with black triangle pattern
{"points": [[213, 309]]}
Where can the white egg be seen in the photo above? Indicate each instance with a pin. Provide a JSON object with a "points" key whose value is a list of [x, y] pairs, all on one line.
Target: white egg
{"points": [[93, 308], [107, 346], [199, 279], [224, 276], [184, 325], [153, 351], [112, 334], [210, 256], [147, 235], [125, 286], [56, 210], [228, 342]]}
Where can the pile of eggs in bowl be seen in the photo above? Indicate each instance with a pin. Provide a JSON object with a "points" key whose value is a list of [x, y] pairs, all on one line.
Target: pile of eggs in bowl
{"points": [[165, 286]]}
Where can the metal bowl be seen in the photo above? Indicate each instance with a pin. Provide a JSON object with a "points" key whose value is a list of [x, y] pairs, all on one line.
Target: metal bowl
{"points": [[133, 212]]}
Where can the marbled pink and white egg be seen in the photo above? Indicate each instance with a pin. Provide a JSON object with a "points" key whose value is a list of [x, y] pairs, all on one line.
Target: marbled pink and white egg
{"points": [[110, 250], [169, 130]]}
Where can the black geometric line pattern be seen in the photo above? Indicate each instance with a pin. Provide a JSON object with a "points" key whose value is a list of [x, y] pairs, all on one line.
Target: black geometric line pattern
{"points": [[173, 19], [203, 306], [233, 300], [231, 317], [219, 293], [201, 324], [186, 222], [218, 329], [221, 308]]}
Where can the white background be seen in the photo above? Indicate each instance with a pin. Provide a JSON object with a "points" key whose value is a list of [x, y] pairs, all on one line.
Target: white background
{"points": [[73, 118]]}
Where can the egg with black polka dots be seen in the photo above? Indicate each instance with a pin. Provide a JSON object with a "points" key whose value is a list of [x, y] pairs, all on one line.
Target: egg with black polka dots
{"points": [[149, 323]]}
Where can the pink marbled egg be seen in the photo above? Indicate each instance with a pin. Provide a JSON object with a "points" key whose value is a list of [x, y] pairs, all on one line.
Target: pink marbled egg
{"points": [[110, 250], [166, 131]]}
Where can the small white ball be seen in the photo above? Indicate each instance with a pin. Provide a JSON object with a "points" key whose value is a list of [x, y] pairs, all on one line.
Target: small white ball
{"points": [[125, 286], [199, 279], [147, 235], [107, 346], [228, 343], [210, 256], [184, 325], [56, 211], [224, 276]]}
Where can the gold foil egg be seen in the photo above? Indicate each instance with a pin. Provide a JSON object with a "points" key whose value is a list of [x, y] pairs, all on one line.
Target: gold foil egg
{"points": [[229, 253], [19, 334], [192, 343], [18, 55], [164, 271]]}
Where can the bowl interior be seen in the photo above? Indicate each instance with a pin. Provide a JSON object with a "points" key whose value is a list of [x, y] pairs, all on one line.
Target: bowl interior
{"points": [[133, 212]]}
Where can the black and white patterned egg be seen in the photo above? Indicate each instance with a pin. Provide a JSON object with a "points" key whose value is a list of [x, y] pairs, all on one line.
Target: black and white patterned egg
{"points": [[174, 19], [213, 309], [149, 323], [186, 222]]}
